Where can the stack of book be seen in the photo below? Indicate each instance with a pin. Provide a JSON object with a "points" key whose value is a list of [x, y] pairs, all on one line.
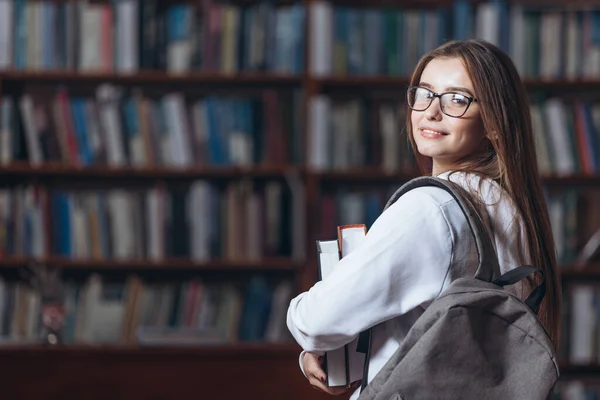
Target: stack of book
{"points": [[345, 365]]}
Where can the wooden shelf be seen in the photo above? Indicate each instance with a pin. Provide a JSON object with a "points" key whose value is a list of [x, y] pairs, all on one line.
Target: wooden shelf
{"points": [[20, 171], [261, 350], [362, 83], [262, 371], [571, 180], [169, 264], [371, 175], [570, 371], [332, 84], [376, 175], [590, 271], [59, 171], [326, 84], [421, 4], [586, 273], [152, 77]]}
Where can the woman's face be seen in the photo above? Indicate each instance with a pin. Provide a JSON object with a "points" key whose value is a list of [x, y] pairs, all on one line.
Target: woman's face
{"points": [[447, 140]]}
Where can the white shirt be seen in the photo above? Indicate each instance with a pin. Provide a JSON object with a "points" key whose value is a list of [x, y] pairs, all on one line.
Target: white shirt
{"points": [[400, 267]]}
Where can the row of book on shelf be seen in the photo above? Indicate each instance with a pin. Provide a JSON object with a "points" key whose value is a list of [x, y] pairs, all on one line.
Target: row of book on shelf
{"points": [[567, 135], [239, 222], [574, 216], [350, 133], [129, 128], [130, 35], [543, 42], [149, 313]]}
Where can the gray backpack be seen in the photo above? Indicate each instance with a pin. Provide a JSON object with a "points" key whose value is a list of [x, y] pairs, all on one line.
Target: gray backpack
{"points": [[475, 340]]}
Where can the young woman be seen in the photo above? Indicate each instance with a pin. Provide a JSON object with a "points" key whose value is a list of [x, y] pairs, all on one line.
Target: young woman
{"points": [[468, 121]]}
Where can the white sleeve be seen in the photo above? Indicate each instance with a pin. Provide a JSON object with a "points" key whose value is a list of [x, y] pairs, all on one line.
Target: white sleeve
{"points": [[300, 361], [401, 264]]}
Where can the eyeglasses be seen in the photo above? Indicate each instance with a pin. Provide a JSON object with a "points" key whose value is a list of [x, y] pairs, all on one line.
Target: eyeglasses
{"points": [[452, 104]]}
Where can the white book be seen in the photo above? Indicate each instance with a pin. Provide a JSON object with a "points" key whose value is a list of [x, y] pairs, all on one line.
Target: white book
{"points": [[31, 134], [90, 43], [335, 360], [123, 243], [344, 365], [79, 227], [350, 238], [176, 118], [127, 36], [199, 212], [390, 139], [319, 132], [550, 33], [321, 38], [488, 22], [108, 97], [559, 135], [583, 323]]}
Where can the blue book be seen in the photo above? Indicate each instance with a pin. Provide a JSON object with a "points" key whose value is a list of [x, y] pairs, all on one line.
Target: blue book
{"points": [[463, 19], [20, 38], [216, 154], [256, 310]]}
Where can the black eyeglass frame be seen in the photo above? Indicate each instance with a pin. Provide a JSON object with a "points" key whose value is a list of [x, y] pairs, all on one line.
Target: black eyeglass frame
{"points": [[439, 95]]}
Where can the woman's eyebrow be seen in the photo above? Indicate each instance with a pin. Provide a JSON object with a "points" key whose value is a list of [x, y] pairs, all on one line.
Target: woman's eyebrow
{"points": [[459, 89], [448, 89]]}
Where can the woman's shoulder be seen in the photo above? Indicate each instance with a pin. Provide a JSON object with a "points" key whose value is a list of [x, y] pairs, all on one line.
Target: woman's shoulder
{"points": [[425, 204], [423, 196], [486, 190], [500, 209]]}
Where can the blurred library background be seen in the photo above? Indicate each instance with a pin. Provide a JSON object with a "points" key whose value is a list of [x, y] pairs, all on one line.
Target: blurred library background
{"points": [[167, 165]]}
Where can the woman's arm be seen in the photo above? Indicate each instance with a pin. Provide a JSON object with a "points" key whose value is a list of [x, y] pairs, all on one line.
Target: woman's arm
{"points": [[401, 264]]}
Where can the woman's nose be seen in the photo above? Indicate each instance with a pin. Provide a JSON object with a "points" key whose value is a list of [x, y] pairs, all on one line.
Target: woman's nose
{"points": [[434, 111]]}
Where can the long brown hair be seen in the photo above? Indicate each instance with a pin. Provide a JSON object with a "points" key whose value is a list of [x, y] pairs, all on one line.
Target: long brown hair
{"points": [[510, 157]]}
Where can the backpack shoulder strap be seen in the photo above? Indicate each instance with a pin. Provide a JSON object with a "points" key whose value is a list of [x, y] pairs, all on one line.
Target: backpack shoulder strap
{"points": [[488, 260]]}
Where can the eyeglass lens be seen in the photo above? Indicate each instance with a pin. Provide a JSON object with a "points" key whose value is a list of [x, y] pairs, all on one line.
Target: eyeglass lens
{"points": [[453, 104]]}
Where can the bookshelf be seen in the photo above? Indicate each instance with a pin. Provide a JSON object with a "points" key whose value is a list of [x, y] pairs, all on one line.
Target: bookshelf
{"points": [[261, 370]]}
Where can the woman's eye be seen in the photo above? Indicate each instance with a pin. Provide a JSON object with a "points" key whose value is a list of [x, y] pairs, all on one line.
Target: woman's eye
{"points": [[459, 100]]}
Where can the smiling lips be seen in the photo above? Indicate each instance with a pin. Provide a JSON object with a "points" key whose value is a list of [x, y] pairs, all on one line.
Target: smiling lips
{"points": [[431, 133]]}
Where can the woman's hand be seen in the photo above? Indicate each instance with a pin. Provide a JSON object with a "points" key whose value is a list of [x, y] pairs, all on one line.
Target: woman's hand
{"points": [[311, 364]]}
